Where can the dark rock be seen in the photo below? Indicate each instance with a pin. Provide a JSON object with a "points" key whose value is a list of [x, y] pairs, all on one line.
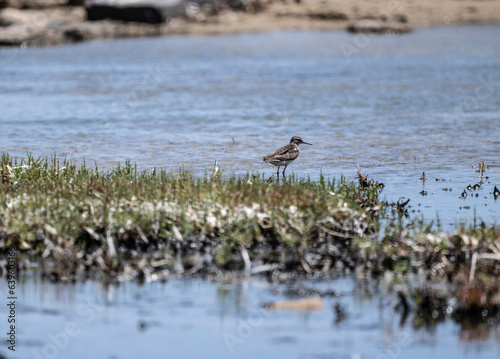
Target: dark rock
{"points": [[110, 29], [76, 2], [326, 15], [380, 25], [137, 13], [249, 5], [329, 16], [146, 11], [88, 31], [402, 18]]}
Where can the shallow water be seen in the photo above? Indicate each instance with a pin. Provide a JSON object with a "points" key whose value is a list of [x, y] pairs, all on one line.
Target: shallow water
{"points": [[200, 319], [396, 106]]}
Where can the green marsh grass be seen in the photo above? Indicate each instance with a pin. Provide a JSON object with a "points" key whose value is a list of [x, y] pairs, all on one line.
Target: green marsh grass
{"points": [[46, 203], [50, 206], [129, 221]]}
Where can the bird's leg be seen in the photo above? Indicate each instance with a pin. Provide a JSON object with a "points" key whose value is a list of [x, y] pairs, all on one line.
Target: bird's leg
{"points": [[284, 171], [278, 173]]}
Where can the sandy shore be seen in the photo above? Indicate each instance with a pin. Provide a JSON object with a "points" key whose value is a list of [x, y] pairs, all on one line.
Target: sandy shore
{"points": [[329, 14], [45, 22]]}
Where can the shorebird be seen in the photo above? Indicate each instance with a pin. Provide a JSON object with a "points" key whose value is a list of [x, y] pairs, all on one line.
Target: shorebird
{"points": [[285, 155]]}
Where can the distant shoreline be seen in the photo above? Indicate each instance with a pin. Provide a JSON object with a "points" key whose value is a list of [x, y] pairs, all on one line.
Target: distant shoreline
{"points": [[29, 23], [337, 15]]}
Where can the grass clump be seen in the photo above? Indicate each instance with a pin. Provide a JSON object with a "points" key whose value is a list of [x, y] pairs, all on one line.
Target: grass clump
{"points": [[56, 209], [124, 222]]}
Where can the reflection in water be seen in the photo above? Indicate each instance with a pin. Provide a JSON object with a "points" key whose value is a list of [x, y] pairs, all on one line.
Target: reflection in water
{"points": [[196, 318], [478, 333]]}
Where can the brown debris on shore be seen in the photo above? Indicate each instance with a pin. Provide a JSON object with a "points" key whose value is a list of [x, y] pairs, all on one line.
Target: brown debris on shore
{"points": [[305, 304]]}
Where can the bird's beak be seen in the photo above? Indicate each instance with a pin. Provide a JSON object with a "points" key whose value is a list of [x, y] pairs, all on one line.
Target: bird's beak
{"points": [[310, 144]]}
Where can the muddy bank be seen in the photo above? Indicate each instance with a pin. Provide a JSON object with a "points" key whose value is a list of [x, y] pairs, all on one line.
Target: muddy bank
{"points": [[52, 22]]}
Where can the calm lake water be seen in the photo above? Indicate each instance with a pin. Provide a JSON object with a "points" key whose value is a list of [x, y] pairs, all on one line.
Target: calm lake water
{"points": [[201, 319], [396, 106]]}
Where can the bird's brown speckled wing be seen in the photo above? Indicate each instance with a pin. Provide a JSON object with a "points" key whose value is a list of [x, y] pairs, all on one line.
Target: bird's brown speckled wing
{"points": [[285, 153]]}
